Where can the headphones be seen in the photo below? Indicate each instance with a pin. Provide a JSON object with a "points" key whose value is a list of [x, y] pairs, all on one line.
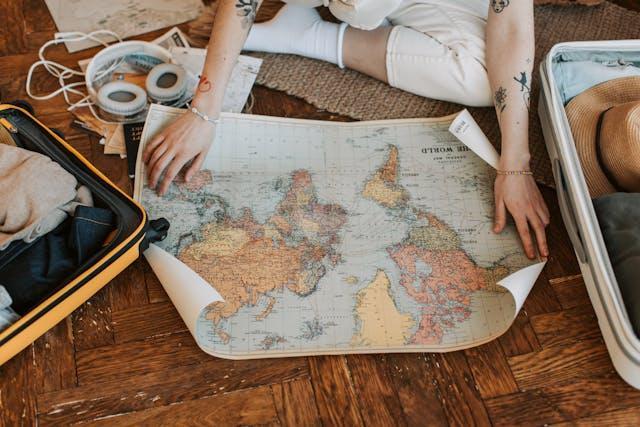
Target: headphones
{"points": [[166, 83], [121, 101]]}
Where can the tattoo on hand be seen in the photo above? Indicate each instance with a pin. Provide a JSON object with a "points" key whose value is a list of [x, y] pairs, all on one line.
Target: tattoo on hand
{"points": [[525, 88], [499, 5], [246, 9], [204, 85], [500, 99]]}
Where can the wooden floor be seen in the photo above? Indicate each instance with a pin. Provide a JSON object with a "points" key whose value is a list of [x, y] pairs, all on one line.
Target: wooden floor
{"points": [[126, 358]]}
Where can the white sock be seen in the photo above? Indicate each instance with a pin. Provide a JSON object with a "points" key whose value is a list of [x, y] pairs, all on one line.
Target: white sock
{"points": [[300, 31]]}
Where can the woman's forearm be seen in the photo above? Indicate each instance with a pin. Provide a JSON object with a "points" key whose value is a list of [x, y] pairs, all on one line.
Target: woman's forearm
{"points": [[231, 26], [510, 53]]}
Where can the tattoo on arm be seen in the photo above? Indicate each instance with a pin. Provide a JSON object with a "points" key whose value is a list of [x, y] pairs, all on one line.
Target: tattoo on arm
{"points": [[525, 87], [500, 99], [204, 85], [246, 10], [499, 5]]}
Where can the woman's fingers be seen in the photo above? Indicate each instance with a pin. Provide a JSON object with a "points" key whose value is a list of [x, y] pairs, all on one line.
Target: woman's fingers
{"points": [[195, 166], [543, 211], [170, 173], [158, 167], [525, 236], [543, 214], [150, 147], [159, 152], [541, 237], [501, 216]]}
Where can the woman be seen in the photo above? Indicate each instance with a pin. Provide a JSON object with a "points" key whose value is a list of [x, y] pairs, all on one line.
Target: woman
{"points": [[473, 52]]}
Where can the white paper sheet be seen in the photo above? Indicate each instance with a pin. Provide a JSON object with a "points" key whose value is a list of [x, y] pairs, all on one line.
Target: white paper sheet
{"points": [[466, 129]]}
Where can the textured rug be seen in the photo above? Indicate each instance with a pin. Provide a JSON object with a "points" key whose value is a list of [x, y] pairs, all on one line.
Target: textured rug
{"points": [[355, 95]]}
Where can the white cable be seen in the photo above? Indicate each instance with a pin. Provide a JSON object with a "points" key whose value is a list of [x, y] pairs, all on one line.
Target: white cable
{"points": [[63, 73]]}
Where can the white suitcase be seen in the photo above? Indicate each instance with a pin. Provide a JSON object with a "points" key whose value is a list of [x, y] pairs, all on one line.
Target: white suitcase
{"points": [[576, 206]]}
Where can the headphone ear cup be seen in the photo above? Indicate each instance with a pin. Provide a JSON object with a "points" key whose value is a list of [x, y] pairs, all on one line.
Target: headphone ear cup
{"points": [[122, 98], [158, 88]]}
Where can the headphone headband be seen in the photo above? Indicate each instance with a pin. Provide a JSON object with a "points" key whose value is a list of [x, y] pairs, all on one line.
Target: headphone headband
{"points": [[120, 51]]}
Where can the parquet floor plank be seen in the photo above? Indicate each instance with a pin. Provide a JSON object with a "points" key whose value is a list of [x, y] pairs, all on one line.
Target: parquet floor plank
{"points": [[54, 359], [12, 30], [296, 404], [155, 292], [158, 387], [520, 338], [18, 390], [571, 400], [566, 326], [146, 321], [247, 407], [129, 289], [629, 417], [158, 353], [413, 378], [334, 391], [460, 396], [570, 291], [542, 298], [92, 322], [375, 393], [491, 370], [561, 363]]}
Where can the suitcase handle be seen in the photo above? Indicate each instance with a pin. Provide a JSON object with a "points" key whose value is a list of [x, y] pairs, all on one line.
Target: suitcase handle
{"points": [[156, 231], [567, 212]]}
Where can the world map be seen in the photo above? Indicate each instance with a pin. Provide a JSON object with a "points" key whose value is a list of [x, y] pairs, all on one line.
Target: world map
{"points": [[341, 238]]}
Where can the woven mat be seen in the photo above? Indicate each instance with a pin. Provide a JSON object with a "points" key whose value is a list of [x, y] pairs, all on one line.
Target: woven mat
{"points": [[355, 95]]}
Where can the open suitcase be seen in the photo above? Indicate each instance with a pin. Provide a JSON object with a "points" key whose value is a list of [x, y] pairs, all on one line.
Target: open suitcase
{"points": [[575, 204], [133, 233]]}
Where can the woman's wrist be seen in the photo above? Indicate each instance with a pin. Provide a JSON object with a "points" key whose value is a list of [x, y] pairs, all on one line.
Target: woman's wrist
{"points": [[207, 105], [518, 161]]}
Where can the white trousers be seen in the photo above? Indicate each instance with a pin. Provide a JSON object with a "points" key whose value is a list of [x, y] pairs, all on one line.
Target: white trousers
{"points": [[436, 49]]}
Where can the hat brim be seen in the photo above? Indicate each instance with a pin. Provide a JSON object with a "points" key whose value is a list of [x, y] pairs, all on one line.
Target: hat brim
{"points": [[584, 112]]}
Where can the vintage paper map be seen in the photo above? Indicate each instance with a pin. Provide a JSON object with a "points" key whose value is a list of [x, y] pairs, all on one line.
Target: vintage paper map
{"points": [[124, 17], [308, 237]]}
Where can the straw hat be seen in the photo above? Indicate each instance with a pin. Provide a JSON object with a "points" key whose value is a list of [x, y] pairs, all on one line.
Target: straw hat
{"points": [[605, 121]]}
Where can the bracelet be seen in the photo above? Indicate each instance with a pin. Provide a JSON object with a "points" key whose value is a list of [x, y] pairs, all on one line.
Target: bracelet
{"points": [[204, 117], [499, 172]]}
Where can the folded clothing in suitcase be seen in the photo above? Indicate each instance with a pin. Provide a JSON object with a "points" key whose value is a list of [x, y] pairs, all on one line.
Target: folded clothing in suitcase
{"points": [[562, 78], [42, 305]]}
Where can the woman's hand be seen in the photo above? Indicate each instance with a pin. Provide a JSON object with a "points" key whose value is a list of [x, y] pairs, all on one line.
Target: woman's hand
{"points": [[519, 194], [188, 139]]}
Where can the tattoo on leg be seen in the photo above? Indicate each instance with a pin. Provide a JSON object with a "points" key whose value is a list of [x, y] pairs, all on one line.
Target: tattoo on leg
{"points": [[500, 99], [499, 5], [525, 87], [246, 9], [204, 85]]}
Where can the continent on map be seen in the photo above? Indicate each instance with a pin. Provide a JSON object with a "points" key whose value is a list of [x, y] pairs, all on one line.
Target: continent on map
{"points": [[435, 270], [383, 186], [381, 324], [246, 260], [437, 273]]}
